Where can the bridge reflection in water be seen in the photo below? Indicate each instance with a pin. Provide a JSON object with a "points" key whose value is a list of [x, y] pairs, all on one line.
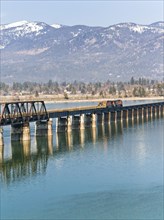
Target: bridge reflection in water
{"points": [[29, 159]]}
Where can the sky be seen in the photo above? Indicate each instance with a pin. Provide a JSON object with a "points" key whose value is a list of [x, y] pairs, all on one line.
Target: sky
{"points": [[91, 13]]}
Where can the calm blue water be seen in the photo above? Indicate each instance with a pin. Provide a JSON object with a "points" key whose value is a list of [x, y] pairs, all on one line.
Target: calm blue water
{"points": [[109, 172]]}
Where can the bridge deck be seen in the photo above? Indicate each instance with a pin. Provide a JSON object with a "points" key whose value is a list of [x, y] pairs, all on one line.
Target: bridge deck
{"points": [[53, 113], [33, 113]]}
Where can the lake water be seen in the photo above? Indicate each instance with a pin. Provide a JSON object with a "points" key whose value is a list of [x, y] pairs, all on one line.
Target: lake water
{"points": [[109, 172]]}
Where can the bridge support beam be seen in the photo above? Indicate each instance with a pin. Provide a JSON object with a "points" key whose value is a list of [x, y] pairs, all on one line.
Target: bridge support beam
{"points": [[43, 128], [1, 137], [20, 132]]}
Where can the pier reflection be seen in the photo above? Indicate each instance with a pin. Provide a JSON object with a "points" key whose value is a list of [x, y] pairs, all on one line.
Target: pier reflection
{"points": [[25, 162]]}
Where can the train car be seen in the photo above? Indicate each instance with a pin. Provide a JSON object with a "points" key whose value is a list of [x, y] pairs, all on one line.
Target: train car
{"points": [[118, 103], [110, 103]]}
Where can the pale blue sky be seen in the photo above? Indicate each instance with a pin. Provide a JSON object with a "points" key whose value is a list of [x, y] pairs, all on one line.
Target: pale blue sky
{"points": [[93, 13]]}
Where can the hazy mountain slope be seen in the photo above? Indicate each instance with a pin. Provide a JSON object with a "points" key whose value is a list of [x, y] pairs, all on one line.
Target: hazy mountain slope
{"points": [[37, 51]]}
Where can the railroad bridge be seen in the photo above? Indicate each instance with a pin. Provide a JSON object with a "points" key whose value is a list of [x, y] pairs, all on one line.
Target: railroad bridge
{"points": [[19, 115]]}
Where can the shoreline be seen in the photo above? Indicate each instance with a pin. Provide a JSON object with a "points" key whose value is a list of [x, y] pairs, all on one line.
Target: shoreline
{"points": [[105, 99], [4, 99]]}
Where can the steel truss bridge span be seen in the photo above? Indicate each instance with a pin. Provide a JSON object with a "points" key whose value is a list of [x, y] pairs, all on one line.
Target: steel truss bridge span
{"points": [[31, 111]]}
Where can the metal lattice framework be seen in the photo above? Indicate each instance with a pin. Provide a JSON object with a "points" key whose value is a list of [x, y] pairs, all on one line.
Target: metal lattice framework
{"points": [[20, 112]]}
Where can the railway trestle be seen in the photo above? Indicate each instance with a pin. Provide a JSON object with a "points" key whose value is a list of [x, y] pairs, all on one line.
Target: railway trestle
{"points": [[20, 114]]}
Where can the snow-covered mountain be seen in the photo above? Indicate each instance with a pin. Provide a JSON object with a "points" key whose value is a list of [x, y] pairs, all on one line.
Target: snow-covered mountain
{"points": [[29, 50]]}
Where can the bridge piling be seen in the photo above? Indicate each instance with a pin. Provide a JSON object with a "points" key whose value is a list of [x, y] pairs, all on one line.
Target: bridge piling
{"points": [[162, 110], [68, 119], [43, 128], [100, 118], [93, 120], [20, 132], [1, 153], [82, 120], [1, 137], [125, 114], [69, 123]]}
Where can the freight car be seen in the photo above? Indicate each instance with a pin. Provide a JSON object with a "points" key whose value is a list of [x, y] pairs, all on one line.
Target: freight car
{"points": [[110, 103]]}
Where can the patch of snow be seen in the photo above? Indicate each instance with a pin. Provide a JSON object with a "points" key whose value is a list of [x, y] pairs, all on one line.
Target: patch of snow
{"points": [[12, 25], [75, 34], [2, 47], [57, 26], [90, 41], [23, 27], [33, 51]]}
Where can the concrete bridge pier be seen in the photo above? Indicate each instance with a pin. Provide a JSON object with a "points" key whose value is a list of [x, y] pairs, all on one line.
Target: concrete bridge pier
{"points": [[1, 153], [82, 121], [162, 110], [159, 110], [100, 118], [1, 137], [93, 120], [69, 123], [1, 145], [43, 128], [61, 124], [20, 132]]}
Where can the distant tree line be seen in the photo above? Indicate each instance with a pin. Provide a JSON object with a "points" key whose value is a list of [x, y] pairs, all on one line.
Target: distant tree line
{"points": [[134, 87]]}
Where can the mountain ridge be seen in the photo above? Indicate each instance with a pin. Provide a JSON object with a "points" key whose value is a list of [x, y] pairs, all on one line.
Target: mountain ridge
{"points": [[31, 50]]}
